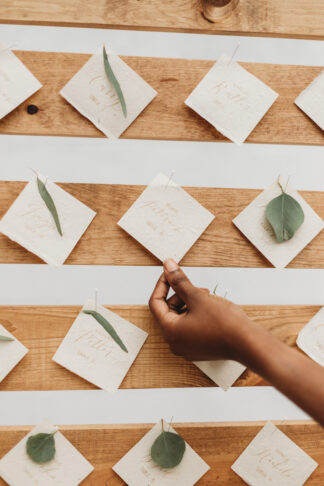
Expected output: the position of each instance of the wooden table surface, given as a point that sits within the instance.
(105, 243)
(167, 117)
(41, 329)
(277, 18)
(219, 444)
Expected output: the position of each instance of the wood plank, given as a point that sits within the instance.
(41, 330)
(219, 444)
(167, 117)
(278, 18)
(104, 243)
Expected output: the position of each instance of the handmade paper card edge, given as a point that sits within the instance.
(221, 383)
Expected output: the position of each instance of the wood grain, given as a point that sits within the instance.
(41, 330)
(104, 243)
(219, 444)
(278, 18)
(167, 117)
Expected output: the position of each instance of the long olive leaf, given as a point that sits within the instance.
(41, 447)
(114, 82)
(108, 327)
(47, 198)
(285, 215)
(6, 338)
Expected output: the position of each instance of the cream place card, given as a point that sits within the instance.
(137, 468)
(311, 338)
(91, 352)
(17, 83)
(165, 219)
(223, 372)
(253, 224)
(231, 99)
(11, 352)
(67, 468)
(311, 100)
(94, 96)
(272, 459)
(30, 223)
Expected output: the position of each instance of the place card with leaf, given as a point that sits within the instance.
(46, 458)
(231, 99)
(46, 220)
(311, 338)
(274, 459)
(17, 83)
(163, 458)
(12, 352)
(108, 92)
(165, 219)
(100, 346)
(311, 100)
(279, 223)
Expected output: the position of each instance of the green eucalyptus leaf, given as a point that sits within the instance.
(47, 198)
(41, 447)
(6, 338)
(112, 78)
(168, 449)
(108, 327)
(285, 215)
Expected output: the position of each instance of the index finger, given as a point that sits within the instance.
(157, 303)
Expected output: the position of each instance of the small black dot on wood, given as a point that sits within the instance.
(32, 109)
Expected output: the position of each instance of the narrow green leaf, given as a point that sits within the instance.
(168, 449)
(47, 198)
(108, 327)
(285, 215)
(41, 447)
(6, 338)
(112, 78)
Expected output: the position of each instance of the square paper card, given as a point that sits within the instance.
(165, 219)
(67, 468)
(17, 83)
(311, 100)
(223, 372)
(311, 338)
(231, 99)
(137, 468)
(94, 96)
(254, 225)
(11, 352)
(91, 352)
(272, 459)
(31, 224)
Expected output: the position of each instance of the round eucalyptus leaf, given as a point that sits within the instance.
(168, 449)
(285, 215)
(41, 447)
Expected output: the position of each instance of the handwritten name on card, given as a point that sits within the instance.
(89, 351)
(231, 99)
(67, 468)
(274, 459)
(92, 94)
(165, 219)
(17, 83)
(137, 467)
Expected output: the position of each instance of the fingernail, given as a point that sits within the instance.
(170, 265)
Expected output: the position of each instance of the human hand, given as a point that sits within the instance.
(196, 324)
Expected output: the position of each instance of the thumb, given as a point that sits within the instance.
(179, 281)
